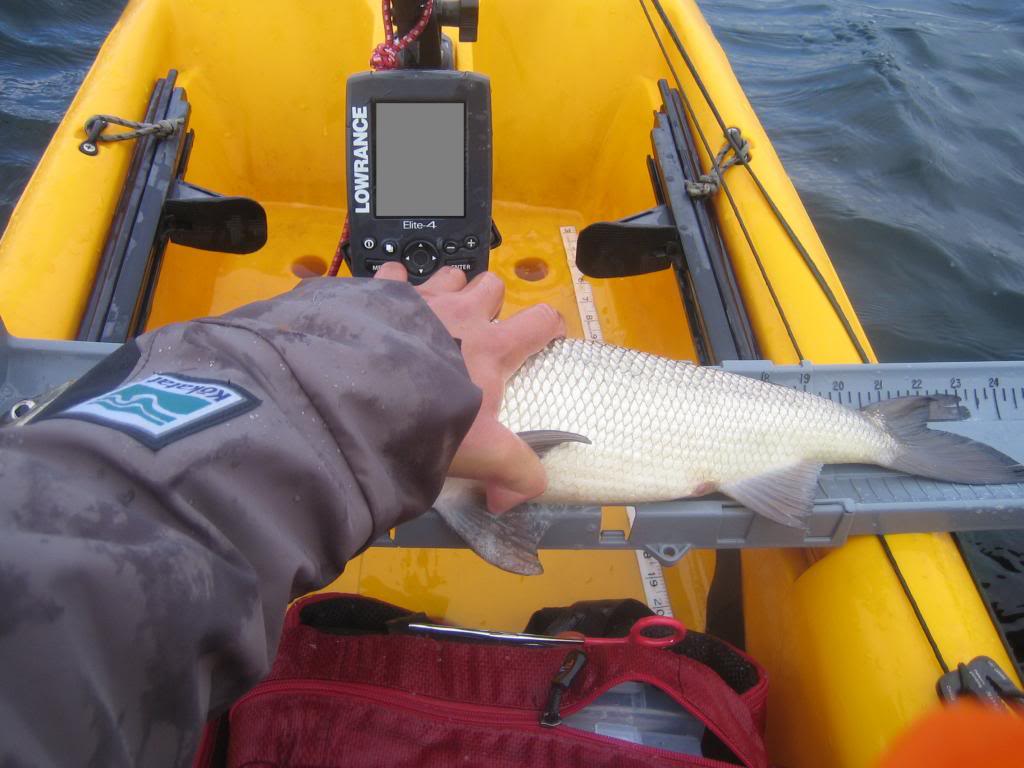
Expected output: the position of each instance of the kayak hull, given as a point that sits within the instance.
(573, 94)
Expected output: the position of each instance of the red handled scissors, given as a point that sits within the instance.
(638, 633)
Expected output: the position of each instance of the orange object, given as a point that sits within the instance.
(964, 735)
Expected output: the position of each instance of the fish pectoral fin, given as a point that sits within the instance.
(508, 541)
(785, 495)
(543, 440)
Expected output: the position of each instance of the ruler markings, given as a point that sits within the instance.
(993, 400)
(651, 574)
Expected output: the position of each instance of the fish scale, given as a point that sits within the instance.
(662, 429)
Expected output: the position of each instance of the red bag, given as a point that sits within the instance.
(347, 689)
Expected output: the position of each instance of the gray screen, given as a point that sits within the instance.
(420, 159)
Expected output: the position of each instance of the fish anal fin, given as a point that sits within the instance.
(784, 495)
(508, 541)
(543, 440)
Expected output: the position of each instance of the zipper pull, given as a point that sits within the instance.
(560, 683)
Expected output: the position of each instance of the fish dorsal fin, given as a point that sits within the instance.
(784, 495)
(543, 440)
(508, 541)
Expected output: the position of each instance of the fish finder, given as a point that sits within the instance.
(419, 171)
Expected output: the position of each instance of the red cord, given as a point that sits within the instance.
(385, 56)
(339, 253)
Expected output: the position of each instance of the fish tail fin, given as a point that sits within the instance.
(936, 454)
(508, 541)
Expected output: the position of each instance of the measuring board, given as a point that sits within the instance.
(651, 572)
(992, 393)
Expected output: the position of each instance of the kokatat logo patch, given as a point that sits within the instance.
(164, 407)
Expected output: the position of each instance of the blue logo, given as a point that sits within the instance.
(164, 407)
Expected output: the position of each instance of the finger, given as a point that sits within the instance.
(392, 270)
(501, 499)
(509, 468)
(521, 478)
(446, 280)
(487, 293)
(525, 334)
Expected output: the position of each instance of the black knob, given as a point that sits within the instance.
(469, 20)
(464, 14)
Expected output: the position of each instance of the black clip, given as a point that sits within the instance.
(93, 129)
(983, 680)
(573, 663)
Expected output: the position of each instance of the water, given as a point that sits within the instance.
(902, 125)
(46, 47)
(902, 128)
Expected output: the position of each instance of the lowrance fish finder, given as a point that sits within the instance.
(419, 171)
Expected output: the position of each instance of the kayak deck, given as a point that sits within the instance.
(301, 241)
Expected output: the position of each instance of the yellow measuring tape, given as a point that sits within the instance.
(655, 591)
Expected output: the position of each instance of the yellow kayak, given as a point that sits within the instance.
(574, 84)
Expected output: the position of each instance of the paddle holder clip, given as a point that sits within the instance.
(681, 233)
(157, 206)
(983, 680)
(93, 129)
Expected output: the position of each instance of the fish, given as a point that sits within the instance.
(618, 426)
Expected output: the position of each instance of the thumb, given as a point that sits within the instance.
(518, 479)
(509, 469)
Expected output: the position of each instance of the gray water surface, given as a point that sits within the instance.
(902, 128)
(902, 125)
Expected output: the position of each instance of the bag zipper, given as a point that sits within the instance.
(480, 714)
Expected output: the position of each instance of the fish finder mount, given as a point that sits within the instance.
(433, 49)
(418, 155)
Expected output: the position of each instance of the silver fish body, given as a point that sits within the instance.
(666, 429)
(615, 425)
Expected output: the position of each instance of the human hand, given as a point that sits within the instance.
(490, 453)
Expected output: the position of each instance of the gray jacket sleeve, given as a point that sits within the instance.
(144, 587)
